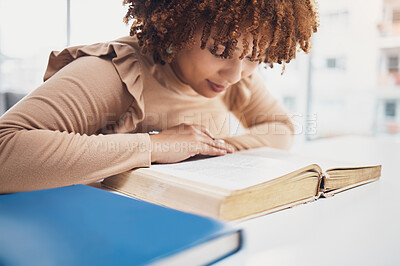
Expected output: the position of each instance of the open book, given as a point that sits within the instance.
(243, 184)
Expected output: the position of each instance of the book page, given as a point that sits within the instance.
(324, 163)
(231, 171)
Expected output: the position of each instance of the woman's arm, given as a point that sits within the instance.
(48, 139)
(265, 119)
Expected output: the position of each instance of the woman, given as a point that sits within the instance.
(186, 65)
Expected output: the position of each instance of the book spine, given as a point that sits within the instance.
(322, 181)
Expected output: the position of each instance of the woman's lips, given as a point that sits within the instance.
(216, 87)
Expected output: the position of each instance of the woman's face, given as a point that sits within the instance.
(208, 74)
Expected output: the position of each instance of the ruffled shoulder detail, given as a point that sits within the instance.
(124, 54)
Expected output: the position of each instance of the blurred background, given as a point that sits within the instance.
(348, 85)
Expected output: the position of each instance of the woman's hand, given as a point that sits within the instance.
(184, 141)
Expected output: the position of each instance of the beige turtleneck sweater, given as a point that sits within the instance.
(91, 117)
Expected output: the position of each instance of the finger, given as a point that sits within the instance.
(218, 144)
(204, 130)
(231, 149)
(228, 147)
(215, 144)
(210, 150)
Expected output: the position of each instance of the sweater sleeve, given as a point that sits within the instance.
(265, 119)
(52, 137)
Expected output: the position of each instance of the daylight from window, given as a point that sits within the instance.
(349, 84)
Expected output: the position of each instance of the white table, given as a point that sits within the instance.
(360, 226)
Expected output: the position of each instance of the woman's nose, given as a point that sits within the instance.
(232, 71)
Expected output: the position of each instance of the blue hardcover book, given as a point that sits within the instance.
(82, 225)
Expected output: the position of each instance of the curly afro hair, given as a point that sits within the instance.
(278, 27)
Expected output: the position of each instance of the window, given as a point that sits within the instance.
(390, 109)
(331, 63)
(393, 63)
(396, 15)
(335, 63)
(24, 52)
(25, 48)
(336, 17)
